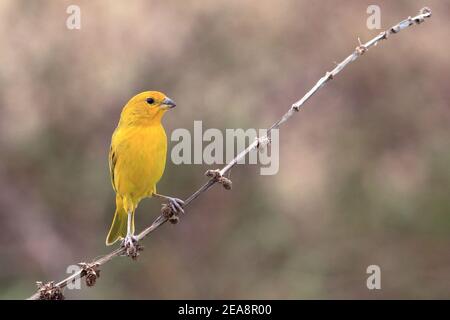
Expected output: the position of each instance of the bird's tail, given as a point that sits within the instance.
(118, 228)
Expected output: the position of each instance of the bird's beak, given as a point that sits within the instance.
(168, 103)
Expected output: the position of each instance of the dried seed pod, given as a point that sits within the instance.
(225, 182)
(217, 176)
(91, 272)
(166, 210)
(49, 291)
(134, 251)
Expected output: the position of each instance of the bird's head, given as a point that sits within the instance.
(146, 107)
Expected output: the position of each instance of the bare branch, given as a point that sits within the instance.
(53, 291)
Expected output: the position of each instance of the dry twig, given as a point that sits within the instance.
(91, 271)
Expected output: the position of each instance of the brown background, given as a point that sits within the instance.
(364, 168)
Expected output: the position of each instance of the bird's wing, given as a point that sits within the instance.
(112, 164)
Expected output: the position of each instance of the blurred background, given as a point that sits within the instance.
(364, 168)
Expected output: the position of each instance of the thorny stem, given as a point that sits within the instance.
(161, 219)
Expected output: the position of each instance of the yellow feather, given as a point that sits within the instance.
(137, 157)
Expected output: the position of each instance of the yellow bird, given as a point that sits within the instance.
(137, 159)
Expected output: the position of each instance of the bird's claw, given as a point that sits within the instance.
(129, 241)
(176, 205)
(172, 209)
(132, 248)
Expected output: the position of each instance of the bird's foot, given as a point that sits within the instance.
(129, 241)
(132, 247)
(172, 209)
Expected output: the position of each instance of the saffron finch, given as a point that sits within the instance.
(137, 159)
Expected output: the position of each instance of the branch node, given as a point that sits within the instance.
(395, 29)
(91, 272)
(218, 177)
(262, 142)
(384, 35)
(134, 251)
(295, 107)
(425, 11)
(49, 291)
(169, 214)
(361, 49)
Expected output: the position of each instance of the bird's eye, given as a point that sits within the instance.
(150, 100)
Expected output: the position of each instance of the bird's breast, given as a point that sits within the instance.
(141, 159)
